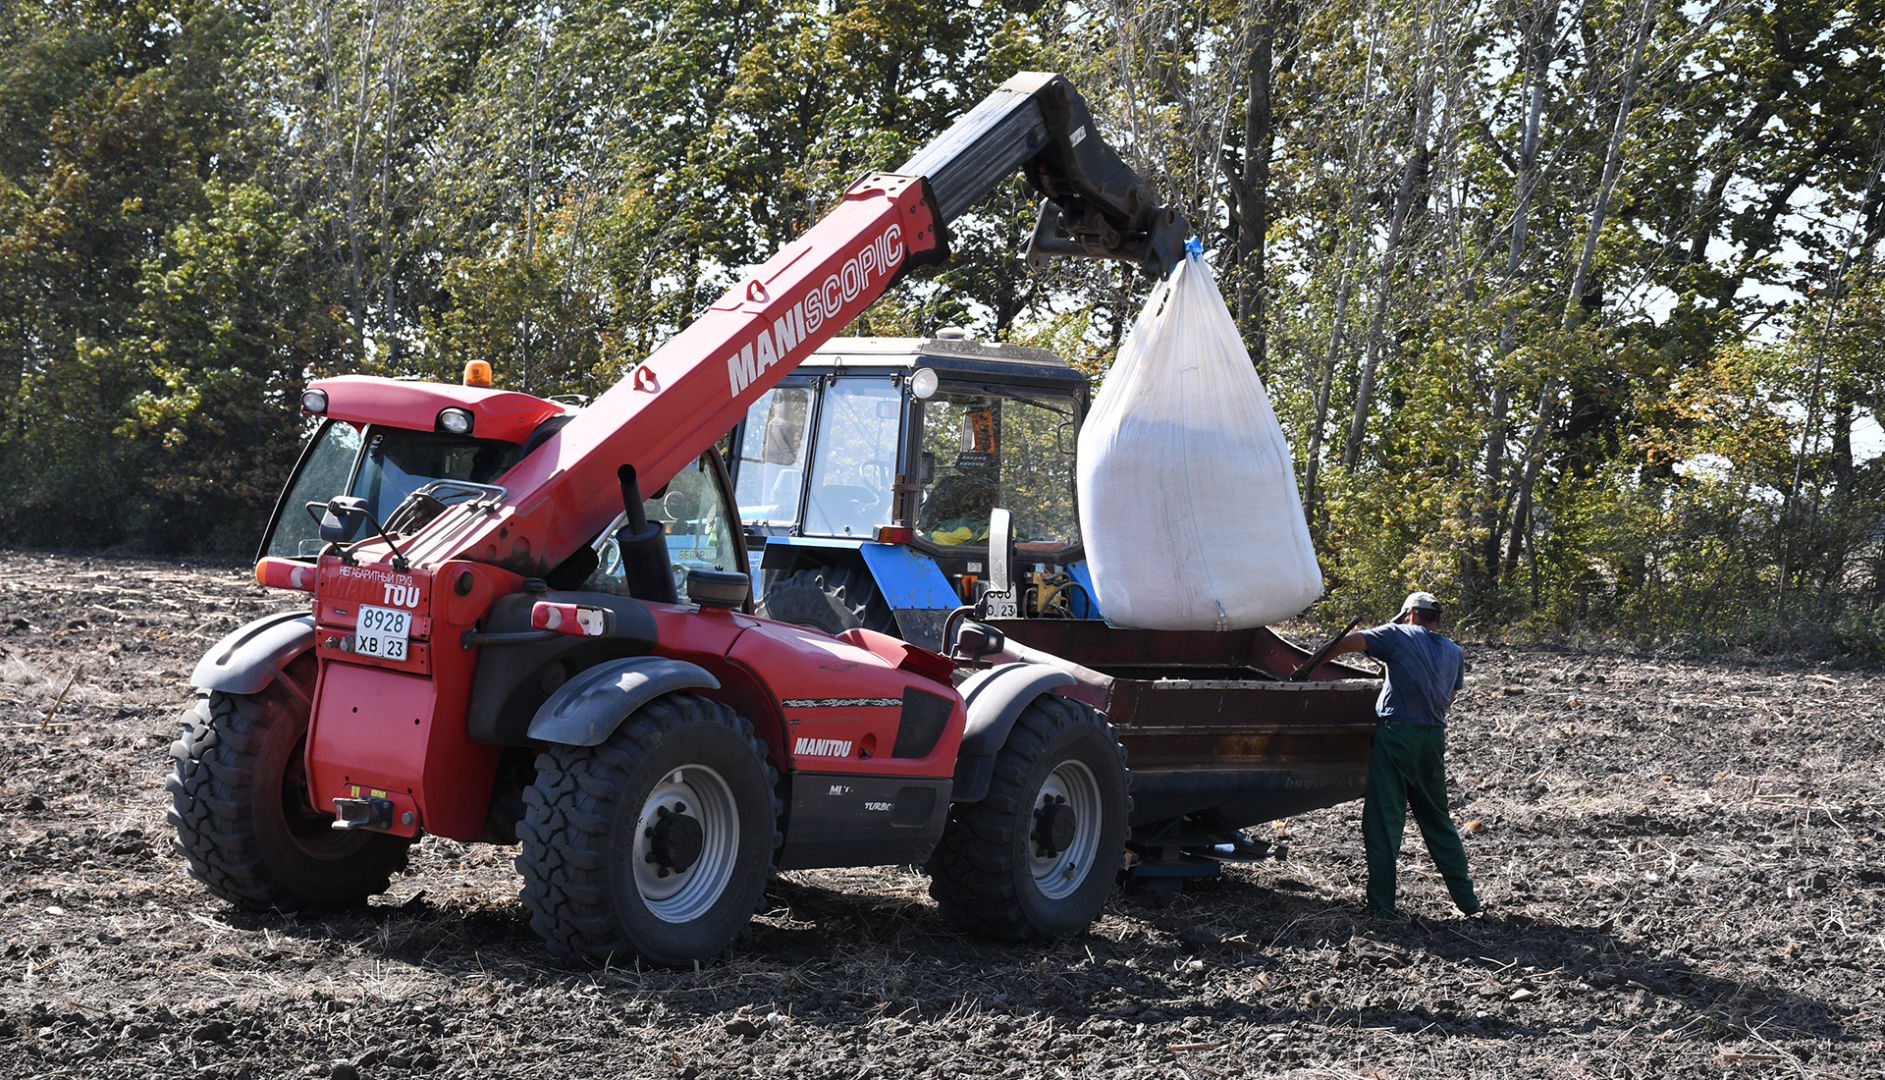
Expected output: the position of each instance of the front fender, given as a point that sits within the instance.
(250, 657)
(995, 699)
(586, 710)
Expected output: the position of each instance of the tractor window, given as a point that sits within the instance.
(395, 464)
(771, 462)
(981, 451)
(858, 427)
(699, 535)
(399, 462)
(324, 474)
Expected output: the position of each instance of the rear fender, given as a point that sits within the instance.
(588, 708)
(252, 656)
(786, 555)
(995, 699)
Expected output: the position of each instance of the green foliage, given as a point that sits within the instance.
(205, 203)
(126, 155)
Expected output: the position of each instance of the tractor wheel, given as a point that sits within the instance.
(657, 843)
(1037, 857)
(239, 802)
(830, 598)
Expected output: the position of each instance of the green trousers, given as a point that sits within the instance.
(1408, 768)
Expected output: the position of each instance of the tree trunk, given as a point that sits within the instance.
(1411, 176)
(530, 200)
(1360, 167)
(1254, 192)
(1541, 36)
(1574, 309)
(1318, 423)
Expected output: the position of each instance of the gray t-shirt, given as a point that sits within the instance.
(1424, 671)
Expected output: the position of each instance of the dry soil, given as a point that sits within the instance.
(1682, 860)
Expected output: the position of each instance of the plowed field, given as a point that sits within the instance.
(1682, 860)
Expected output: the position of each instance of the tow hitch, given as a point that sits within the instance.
(365, 812)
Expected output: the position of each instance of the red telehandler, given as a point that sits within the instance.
(507, 642)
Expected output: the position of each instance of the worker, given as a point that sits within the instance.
(1425, 669)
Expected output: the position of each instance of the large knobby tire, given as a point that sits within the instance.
(239, 802)
(1038, 856)
(657, 843)
(830, 598)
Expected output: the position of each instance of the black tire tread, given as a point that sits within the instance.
(972, 876)
(564, 839)
(830, 598)
(213, 795)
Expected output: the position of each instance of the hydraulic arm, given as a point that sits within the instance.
(676, 403)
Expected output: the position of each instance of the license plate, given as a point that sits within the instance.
(382, 632)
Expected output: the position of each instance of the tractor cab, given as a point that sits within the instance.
(869, 475)
(408, 449)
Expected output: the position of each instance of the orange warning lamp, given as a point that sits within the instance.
(478, 373)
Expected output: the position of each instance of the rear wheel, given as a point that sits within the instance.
(830, 598)
(239, 803)
(1037, 857)
(657, 843)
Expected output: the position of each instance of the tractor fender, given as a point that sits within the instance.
(588, 708)
(995, 699)
(249, 657)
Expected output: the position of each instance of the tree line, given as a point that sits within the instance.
(1570, 308)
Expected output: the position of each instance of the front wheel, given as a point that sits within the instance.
(239, 804)
(657, 843)
(1037, 857)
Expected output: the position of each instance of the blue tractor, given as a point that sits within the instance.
(868, 477)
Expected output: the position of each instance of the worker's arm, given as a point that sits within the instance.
(1352, 643)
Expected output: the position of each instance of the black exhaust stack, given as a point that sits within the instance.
(644, 546)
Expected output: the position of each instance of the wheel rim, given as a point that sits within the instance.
(687, 840)
(309, 830)
(1064, 834)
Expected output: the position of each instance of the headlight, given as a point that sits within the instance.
(314, 401)
(923, 383)
(455, 421)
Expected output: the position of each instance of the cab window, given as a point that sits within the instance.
(981, 451)
(325, 473)
(858, 427)
(380, 464)
(773, 445)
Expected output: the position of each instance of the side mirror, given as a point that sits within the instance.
(345, 514)
(975, 640)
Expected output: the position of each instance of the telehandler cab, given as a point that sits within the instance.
(505, 640)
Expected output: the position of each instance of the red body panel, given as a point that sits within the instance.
(843, 705)
(820, 692)
(383, 725)
(384, 728)
(389, 734)
(496, 414)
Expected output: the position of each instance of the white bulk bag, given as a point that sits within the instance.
(1188, 501)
